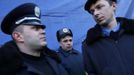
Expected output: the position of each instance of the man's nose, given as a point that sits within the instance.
(42, 31)
(96, 13)
(69, 42)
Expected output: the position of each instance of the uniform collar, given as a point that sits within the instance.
(106, 31)
(95, 33)
(67, 53)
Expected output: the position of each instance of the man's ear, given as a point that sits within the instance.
(114, 5)
(17, 36)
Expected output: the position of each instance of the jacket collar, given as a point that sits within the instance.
(95, 33)
(52, 63)
(66, 54)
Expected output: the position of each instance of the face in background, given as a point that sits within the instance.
(33, 37)
(66, 43)
(103, 12)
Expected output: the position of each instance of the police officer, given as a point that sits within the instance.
(108, 47)
(71, 58)
(27, 53)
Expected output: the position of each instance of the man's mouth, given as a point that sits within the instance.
(43, 38)
(100, 19)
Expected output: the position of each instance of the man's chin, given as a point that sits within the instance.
(102, 23)
(44, 44)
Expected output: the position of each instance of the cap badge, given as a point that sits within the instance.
(37, 11)
(65, 30)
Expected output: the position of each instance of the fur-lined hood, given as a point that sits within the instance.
(95, 33)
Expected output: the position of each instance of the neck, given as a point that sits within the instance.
(112, 23)
(66, 50)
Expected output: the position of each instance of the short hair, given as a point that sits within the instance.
(89, 3)
(19, 29)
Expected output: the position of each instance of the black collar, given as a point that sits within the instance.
(95, 33)
(67, 53)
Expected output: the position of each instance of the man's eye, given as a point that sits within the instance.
(99, 6)
(65, 41)
(36, 27)
(91, 11)
(68, 40)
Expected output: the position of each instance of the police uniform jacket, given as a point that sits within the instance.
(113, 55)
(72, 61)
(11, 62)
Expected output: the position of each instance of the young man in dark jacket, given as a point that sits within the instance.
(109, 46)
(71, 58)
(27, 54)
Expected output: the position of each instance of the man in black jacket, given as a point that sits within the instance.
(27, 54)
(108, 48)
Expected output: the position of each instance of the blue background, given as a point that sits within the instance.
(57, 14)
